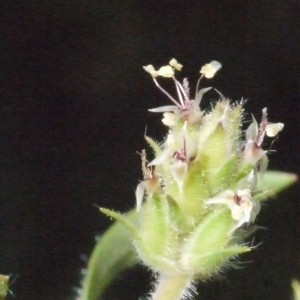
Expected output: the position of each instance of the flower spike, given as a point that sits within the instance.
(201, 191)
(243, 208)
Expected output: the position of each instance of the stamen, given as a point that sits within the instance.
(181, 154)
(262, 128)
(148, 172)
(179, 94)
(197, 86)
(166, 93)
(183, 91)
(221, 95)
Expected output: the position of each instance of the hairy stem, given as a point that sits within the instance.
(172, 287)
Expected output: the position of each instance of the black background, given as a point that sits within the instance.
(74, 101)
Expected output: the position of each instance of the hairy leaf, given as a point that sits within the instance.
(112, 254)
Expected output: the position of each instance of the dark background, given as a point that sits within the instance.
(74, 101)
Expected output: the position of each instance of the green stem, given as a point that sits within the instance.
(171, 287)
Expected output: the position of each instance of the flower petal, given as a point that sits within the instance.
(139, 195)
(179, 170)
(252, 131)
(166, 108)
(199, 96)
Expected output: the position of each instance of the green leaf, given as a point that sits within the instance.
(134, 234)
(273, 182)
(112, 254)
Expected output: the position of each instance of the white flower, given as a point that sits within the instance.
(209, 70)
(243, 208)
(179, 150)
(253, 152)
(185, 108)
(254, 137)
